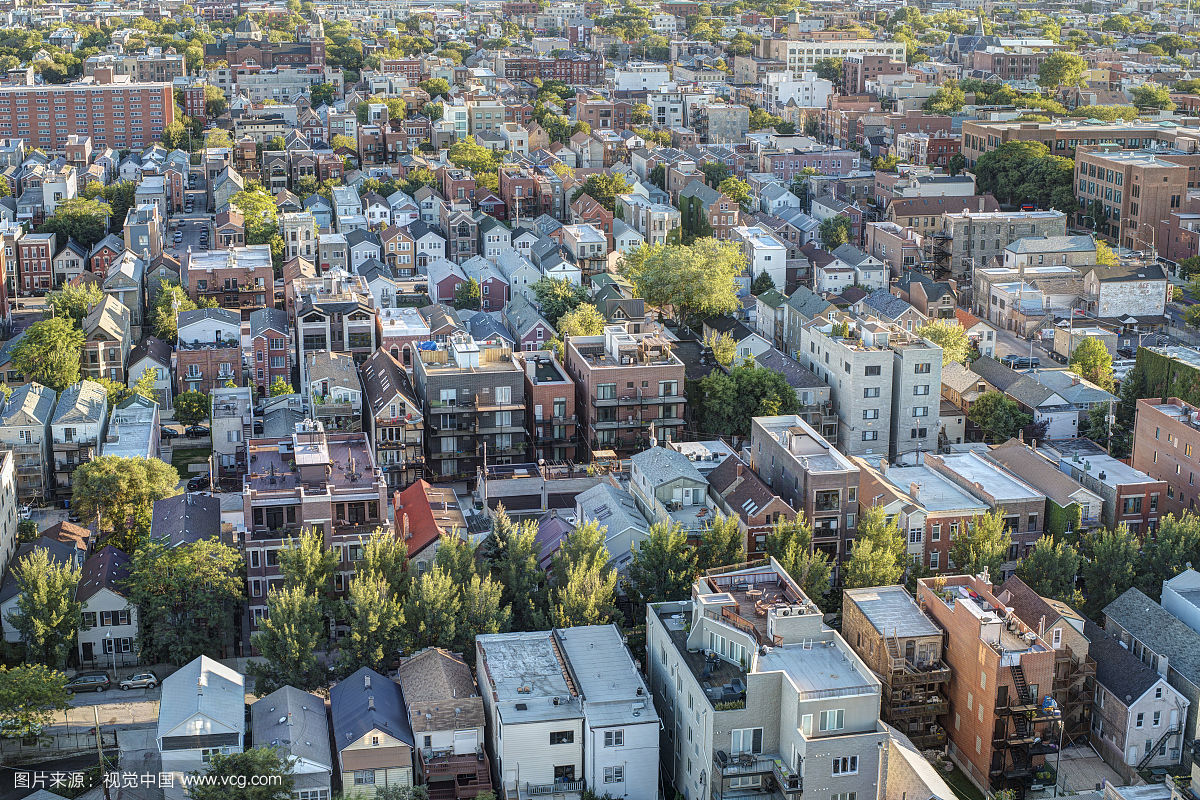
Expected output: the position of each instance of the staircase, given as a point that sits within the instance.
(1149, 756)
(1021, 725)
(1022, 686)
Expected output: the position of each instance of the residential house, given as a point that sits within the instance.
(334, 391)
(395, 424)
(294, 722)
(77, 428)
(209, 353)
(153, 354)
(371, 732)
(107, 340)
(202, 713)
(109, 622)
(25, 432)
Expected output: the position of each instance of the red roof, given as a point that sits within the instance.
(966, 318)
(424, 513)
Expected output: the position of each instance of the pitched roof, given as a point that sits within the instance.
(153, 348)
(795, 373)
(107, 569)
(383, 378)
(1117, 670)
(1019, 459)
(367, 701)
(268, 319)
(1159, 630)
(59, 552)
(295, 722)
(994, 372)
(223, 700)
(1129, 271)
(186, 518)
(659, 465)
(29, 404)
(886, 304)
(741, 488)
(425, 513)
(82, 402)
(440, 691)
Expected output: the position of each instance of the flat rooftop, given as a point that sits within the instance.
(994, 480)
(891, 610)
(527, 676)
(1107, 470)
(271, 463)
(822, 666)
(935, 492)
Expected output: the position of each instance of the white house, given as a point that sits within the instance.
(202, 713)
(108, 630)
(764, 253)
(206, 326)
(295, 722)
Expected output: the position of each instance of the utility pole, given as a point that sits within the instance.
(100, 751)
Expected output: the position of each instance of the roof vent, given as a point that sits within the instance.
(371, 703)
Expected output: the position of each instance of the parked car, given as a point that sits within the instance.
(1020, 362)
(198, 483)
(196, 431)
(89, 682)
(169, 434)
(142, 680)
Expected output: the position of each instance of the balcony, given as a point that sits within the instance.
(558, 787)
(778, 778)
(455, 776)
(900, 708)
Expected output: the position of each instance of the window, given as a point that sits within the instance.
(1158, 693)
(207, 753)
(922, 368)
(1156, 720)
(614, 738)
(746, 740)
(562, 737)
(503, 395)
(935, 532)
(1132, 505)
(871, 413)
(364, 777)
(934, 559)
(871, 391)
(614, 774)
(1139, 720)
(873, 371)
(833, 720)
(870, 436)
(846, 765)
(921, 389)
(1056, 638)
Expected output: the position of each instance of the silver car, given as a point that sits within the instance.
(142, 680)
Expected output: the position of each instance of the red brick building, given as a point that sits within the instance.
(118, 115)
(35, 265)
(549, 407)
(270, 348)
(857, 70)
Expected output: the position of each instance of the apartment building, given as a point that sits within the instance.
(1062, 137)
(25, 432)
(930, 508)
(550, 415)
(1000, 672)
(903, 647)
(121, 115)
(568, 709)
(802, 55)
(629, 389)
(810, 475)
(1166, 446)
(884, 381)
(334, 391)
(209, 352)
(327, 482)
(968, 239)
(270, 348)
(394, 421)
(1074, 667)
(238, 278)
(232, 425)
(1130, 496)
(1136, 190)
(35, 253)
(759, 698)
(473, 397)
(335, 312)
(77, 428)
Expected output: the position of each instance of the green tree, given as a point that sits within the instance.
(340, 141)
(435, 87)
(1050, 569)
(790, 543)
(322, 94)
(214, 101)
(1150, 95)
(374, 614)
(737, 190)
(515, 567)
(723, 347)
(958, 162)
(830, 69)
(948, 99)
(662, 567)
(834, 231)
(184, 596)
(288, 638)
(1093, 362)
(950, 336)
(308, 565)
(1105, 255)
(1026, 172)
(48, 353)
(168, 303)
(280, 386)
(715, 172)
(85, 221)
(584, 320)
(47, 613)
(29, 696)
(879, 553)
(215, 138)
(984, 543)
(557, 296)
(1107, 569)
(1175, 543)
(72, 301)
(260, 214)
(260, 773)
(584, 587)
(1061, 69)
(120, 492)
(603, 188)
(27, 531)
(116, 391)
(456, 557)
(468, 296)
(697, 280)
(998, 416)
(483, 611)
(722, 544)
(144, 385)
(386, 556)
(192, 407)
(431, 610)
(729, 400)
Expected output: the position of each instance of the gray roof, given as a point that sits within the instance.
(1159, 630)
(294, 721)
(367, 701)
(886, 304)
(796, 375)
(700, 190)
(1052, 244)
(382, 379)
(29, 404)
(892, 611)
(808, 303)
(107, 569)
(263, 319)
(994, 372)
(1117, 670)
(661, 465)
(223, 314)
(153, 348)
(1129, 272)
(186, 518)
(60, 552)
(85, 401)
(611, 506)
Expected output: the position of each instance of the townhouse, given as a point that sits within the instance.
(209, 353)
(108, 626)
(25, 432)
(77, 429)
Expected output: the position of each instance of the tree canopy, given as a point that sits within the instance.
(49, 351)
(1092, 361)
(729, 400)
(984, 543)
(697, 280)
(85, 221)
(949, 335)
(998, 416)
(1019, 172)
(120, 492)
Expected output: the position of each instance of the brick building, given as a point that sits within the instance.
(549, 408)
(238, 278)
(118, 115)
(1166, 446)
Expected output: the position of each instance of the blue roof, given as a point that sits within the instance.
(367, 701)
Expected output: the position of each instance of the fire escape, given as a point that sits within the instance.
(1025, 731)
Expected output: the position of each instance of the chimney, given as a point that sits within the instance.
(741, 468)
(883, 466)
(371, 703)
(403, 530)
(367, 680)
(914, 489)
(289, 719)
